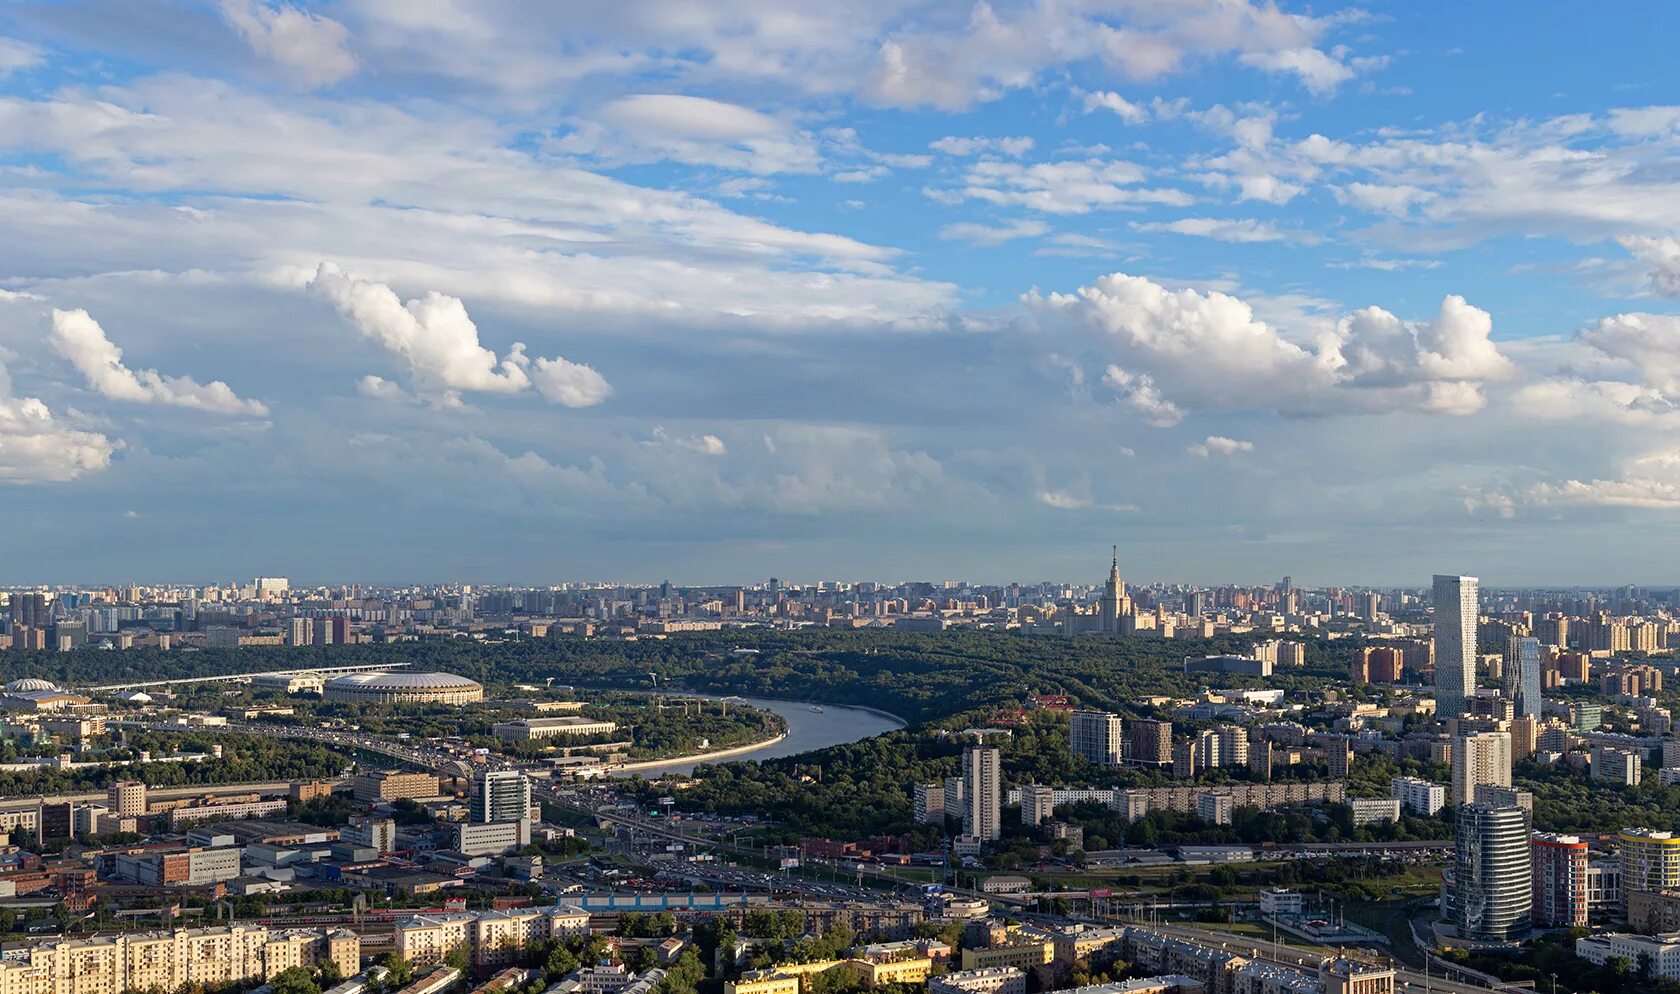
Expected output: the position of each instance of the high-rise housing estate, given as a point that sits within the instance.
(1650, 860)
(982, 793)
(1096, 736)
(1521, 675)
(1455, 643)
(1477, 759)
(501, 795)
(1151, 743)
(1560, 880)
(1493, 873)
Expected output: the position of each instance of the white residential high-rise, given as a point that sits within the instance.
(1521, 675)
(1483, 758)
(1096, 736)
(982, 793)
(1455, 643)
(1420, 797)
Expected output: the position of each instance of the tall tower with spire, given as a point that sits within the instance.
(1112, 596)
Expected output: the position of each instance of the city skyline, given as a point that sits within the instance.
(900, 291)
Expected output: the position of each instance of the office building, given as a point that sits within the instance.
(1480, 758)
(982, 793)
(1650, 860)
(126, 799)
(1151, 743)
(1493, 872)
(192, 868)
(1096, 736)
(1660, 954)
(533, 729)
(491, 838)
(1420, 797)
(1350, 976)
(393, 785)
(1520, 678)
(501, 795)
(1560, 880)
(1455, 643)
(378, 834)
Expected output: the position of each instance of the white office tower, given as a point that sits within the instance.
(1493, 874)
(1096, 736)
(1455, 644)
(1480, 759)
(982, 793)
(1521, 676)
(501, 795)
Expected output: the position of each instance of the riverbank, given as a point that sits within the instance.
(699, 757)
(807, 728)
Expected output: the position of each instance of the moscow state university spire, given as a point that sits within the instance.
(1111, 597)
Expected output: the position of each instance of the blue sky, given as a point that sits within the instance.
(384, 291)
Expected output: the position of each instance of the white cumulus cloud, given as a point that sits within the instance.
(313, 48)
(76, 336)
(1121, 107)
(706, 445)
(438, 341)
(570, 384)
(37, 448)
(1209, 351)
(1219, 445)
(1661, 256)
(1140, 393)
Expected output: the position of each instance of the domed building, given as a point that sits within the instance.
(30, 683)
(400, 687)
